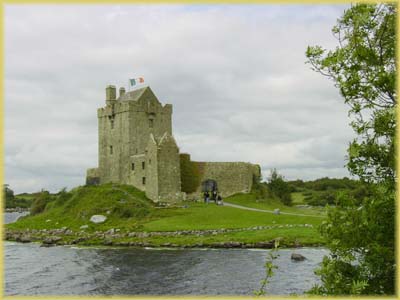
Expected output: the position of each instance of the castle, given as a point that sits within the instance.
(136, 147)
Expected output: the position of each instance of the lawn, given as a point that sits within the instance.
(129, 210)
(250, 200)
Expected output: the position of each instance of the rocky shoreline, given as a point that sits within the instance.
(112, 237)
(16, 209)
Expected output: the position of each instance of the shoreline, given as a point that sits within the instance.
(116, 247)
(16, 209)
(113, 238)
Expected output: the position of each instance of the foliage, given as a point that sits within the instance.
(324, 191)
(269, 269)
(363, 67)
(260, 189)
(8, 193)
(40, 202)
(190, 175)
(361, 242)
(320, 198)
(325, 183)
(107, 199)
(279, 187)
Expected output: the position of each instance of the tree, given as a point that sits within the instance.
(9, 193)
(279, 187)
(363, 68)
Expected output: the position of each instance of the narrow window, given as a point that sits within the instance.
(112, 123)
(151, 123)
(144, 180)
(111, 149)
(149, 161)
(143, 165)
(133, 166)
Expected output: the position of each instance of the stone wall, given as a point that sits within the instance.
(152, 176)
(114, 138)
(124, 127)
(137, 171)
(231, 177)
(169, 172)
(92, 176)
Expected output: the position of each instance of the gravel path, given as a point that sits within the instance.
(269, 211)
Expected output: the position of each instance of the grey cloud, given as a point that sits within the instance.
(236, 76)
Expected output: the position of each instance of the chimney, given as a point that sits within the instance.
(110, 94)
(121, 91)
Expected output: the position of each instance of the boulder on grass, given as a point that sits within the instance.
(98, 219)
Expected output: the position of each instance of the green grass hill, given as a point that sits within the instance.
(128, 210)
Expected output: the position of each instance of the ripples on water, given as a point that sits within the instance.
(32, 270)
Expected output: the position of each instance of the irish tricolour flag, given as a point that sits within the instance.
(136, 81)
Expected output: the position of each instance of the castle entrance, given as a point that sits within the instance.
(209, 185)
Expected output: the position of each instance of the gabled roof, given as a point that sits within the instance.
(135, 94)
(167, 137)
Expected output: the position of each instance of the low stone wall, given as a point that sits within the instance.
(65, 236)
(92, 176)
(231, 177)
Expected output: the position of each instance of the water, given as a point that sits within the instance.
(13, 216)
(32, 270)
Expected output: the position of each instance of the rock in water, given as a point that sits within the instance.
(98, 219)
(297, 257)
(51, 240)
(24, 239)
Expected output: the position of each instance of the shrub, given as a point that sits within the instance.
(40, 202)
(279, 187)
(190, 174)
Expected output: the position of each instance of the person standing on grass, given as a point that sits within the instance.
(214, 196)
(219, 200)
(206, 197)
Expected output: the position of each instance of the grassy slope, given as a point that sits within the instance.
(298, 198)
(86, 201)
(250, 200)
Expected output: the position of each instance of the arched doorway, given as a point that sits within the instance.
(209, 185)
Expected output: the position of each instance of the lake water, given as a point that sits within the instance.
(32, 270)
(13, 216)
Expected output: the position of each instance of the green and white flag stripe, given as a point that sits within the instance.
(135, 81)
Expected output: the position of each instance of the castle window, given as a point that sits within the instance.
(149, 161)
(151, 123)
(143, 165)
(144, 180)
(112, 123)
(133, 166)
(111, 149)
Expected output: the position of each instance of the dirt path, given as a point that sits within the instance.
(269, 211)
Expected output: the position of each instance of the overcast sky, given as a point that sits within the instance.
(235, 75)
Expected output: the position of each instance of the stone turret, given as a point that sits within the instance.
(111, 96)
(121, 91)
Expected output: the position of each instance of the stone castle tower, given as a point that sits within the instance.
(136, 147)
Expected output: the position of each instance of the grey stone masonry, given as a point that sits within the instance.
(136, 147)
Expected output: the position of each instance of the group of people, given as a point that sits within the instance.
(215, 196)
